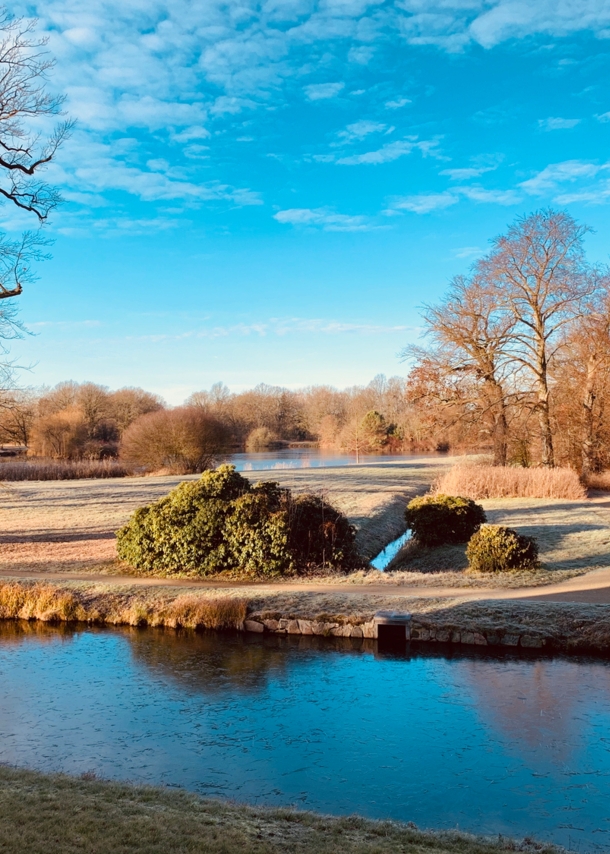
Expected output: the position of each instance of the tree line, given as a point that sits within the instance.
(514, 360)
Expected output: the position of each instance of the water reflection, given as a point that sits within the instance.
(491, 744)
(301, 458)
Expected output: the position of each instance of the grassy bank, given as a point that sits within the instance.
(43, 813)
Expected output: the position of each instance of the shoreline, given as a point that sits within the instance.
(495, 624)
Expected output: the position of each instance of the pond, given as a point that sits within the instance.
(301, 458)
(490, 744)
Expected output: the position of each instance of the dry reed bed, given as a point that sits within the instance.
(473, 481)
(67, 815)
(48, 603)
(62, 469)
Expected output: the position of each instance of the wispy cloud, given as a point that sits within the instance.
(555, 174)
(359, 130)
(323, 91)
(325, 219)
(556, 123)
(388, 152)
(281, 327)
(397, 103)
(467, 172)
(422, 203)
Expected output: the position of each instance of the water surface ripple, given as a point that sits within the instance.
(492, 744)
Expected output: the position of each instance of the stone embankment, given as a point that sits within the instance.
(420, 629)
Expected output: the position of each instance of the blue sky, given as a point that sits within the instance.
(267, 191)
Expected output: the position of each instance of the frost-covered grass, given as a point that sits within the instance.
(40, 814)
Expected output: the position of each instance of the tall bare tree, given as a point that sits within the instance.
(541, 279)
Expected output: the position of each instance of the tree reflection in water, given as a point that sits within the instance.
(211, 662)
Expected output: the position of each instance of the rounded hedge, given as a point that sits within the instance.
(222, 522)
(497, 549)
(439, 519)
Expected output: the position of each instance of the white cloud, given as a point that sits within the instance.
(358, 130)
(423, 203)
(324, 218)
(554, 174)
(604, 117)
(494, 197)
(323, 91)
(597, 196)
(390, 151)
(556, 123)
(173, 72)
(467, 172)
(427, 202)
(398, 103)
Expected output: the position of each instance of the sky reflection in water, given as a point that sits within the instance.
(490, 744)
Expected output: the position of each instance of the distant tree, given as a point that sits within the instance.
(128, 404)
(60, 435)
(17, 416)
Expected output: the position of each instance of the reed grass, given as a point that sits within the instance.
(49, 603)
(56, 814)
(62, 469)
(471, 481)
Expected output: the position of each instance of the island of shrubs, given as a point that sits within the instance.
(437, 520)
(222, 523)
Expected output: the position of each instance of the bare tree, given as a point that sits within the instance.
(584, 368)
(541, 280)
(470, 343)
(25, 106)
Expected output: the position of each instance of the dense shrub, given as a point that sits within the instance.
(438, 519)
(497, 549)
(221, 522)
(180, 440)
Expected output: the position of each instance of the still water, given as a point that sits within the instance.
(491, 744)
(301, 458)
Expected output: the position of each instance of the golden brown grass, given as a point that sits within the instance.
(51, 603)
(41, 813)
(478, 482)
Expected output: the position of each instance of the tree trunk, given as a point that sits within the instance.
(499, 423)
(588, 440)
(546, 435)
(544, 418)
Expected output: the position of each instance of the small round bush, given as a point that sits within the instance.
(222, 522)
(439, 519)
(497, 549)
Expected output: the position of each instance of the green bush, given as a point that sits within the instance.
(221, 522)
(497, 549)
(439, 519)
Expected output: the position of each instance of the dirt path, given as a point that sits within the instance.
(592, 588)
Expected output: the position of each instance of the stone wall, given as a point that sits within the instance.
(414, 632)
